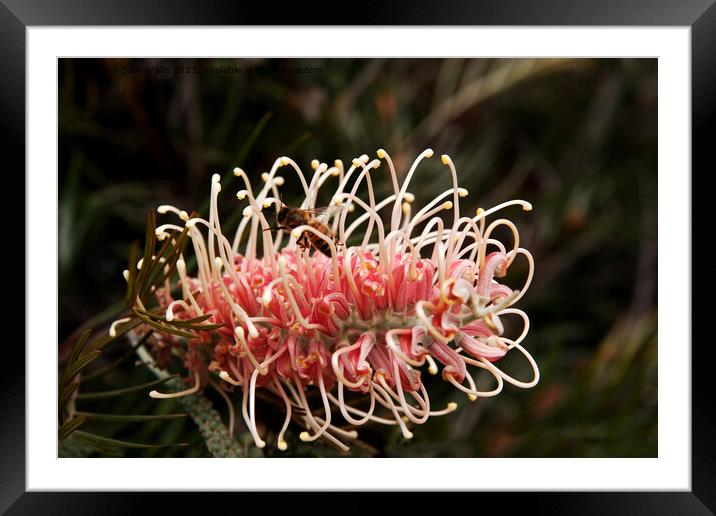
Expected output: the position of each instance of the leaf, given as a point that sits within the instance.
(177, 250)
(151, 315)
(158, 267)
(163, 327)
(193, 324)
(73, 448)
(123, 391)
(106, 441)
(194, 320)
(69, 427)
(112, 365)
(150, 240)
(198, 327)
(155, 265)
(78, 346)
(130, 417)
(66, 393)
(75, 363)
(132, 276)
(122, 329)
(72, 369)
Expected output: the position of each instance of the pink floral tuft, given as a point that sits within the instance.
(411, 293)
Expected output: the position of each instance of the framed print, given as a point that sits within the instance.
(327, 258)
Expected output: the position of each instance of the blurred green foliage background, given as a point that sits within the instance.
(576, 137)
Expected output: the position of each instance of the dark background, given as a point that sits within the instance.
(577, 138)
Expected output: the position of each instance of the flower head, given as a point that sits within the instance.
(360, 320)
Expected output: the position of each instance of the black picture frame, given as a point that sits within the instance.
(17, 15)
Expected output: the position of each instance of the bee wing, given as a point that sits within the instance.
(324, 213)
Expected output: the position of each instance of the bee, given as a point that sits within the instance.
(288, 218)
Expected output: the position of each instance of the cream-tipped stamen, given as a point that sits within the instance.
(252, 410)
(224, 375)
(180, 394)
(113, 326)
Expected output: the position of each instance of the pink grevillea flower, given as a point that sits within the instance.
(360, 324)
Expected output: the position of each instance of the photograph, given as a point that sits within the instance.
(357, 257)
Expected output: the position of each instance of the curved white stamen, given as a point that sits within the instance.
(331, 172)
(167, 208)
(456, 213)
(371, 200)
(224, 375)
(180, 394)
(213, 214)
(345, 408)
(482, 214)
(368, 416)
(421, 214)
(427, 153)
(401, 395)
(347, 268)
(310, 201)
(320, 429)
(186, 291)
(260, 443)
(432, 366)
(339, 165)
(113, 326)
(472, 392)
(508, 378)
(422, 240)
(161, 233)
(352, 197)
(451, 407)
(393, 176)
(338, 369)
(475, 234)
(419, 218)
(252, 410)
(203, 267)
(344, 181)
(348, 434)
(488, 232)
(305, 436)
(281, 443)
(255, 216)
(388, 403)
(381, 231)
(530, 273)
(525, 320)
(169, 314)
(230, 405)
(288, 161)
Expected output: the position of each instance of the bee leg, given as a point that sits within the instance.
(303, 242)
